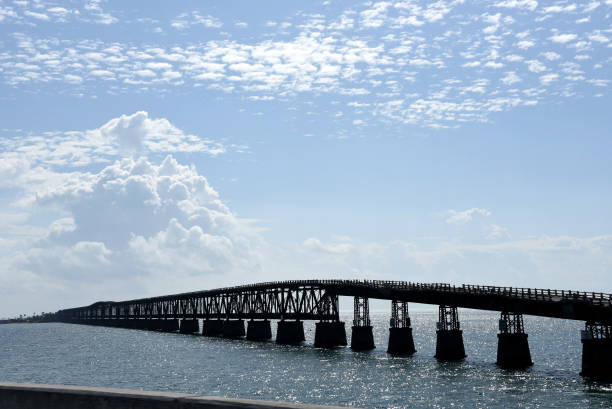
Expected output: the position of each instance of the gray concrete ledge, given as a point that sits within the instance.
(39, 396)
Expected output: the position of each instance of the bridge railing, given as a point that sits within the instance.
(514, 292)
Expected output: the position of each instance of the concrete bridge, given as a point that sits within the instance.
(224, 310)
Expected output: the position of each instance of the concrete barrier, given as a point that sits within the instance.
(35, 396)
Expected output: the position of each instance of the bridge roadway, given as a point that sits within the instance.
(223, 311)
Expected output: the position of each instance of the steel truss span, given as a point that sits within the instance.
(318, 300)
(224, 310)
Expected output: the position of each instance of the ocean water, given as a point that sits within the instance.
(123, 358)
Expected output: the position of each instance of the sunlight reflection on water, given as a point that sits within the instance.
(113, 357)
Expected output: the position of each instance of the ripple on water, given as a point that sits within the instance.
(114, 357)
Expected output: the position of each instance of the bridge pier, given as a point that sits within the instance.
(400, 332)
(362, 338)
(212, 328)
(290, 332)
(597, 351)
(512, 345)
(189, 326)
(449, 343)
(330, 334)
(233, 329)
(258, 330)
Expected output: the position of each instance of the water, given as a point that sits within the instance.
(122, 358)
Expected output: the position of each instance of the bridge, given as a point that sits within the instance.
(224, 310)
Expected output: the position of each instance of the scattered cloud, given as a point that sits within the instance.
(465, 216)
(326, 55)
(495, 259)
(188, 20)
(562, 38)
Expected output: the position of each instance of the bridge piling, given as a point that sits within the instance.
(233, 329)
(212, 328)
(512, 345)
(330, 334)
(449, 343)
(362, 338)
(189, 326)
(400, 332)
(290, 332)
(597, 351)
(329, 331)
(258, 330)
(317, 300)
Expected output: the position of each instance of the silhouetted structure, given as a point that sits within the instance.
(224, 310)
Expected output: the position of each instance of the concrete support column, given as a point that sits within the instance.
(329, 334)
(400, 332)
(233, 329)
(189, 326)
(258, 330)
(290, 332)
(212, 328)
(362, 338)
(597, 351)
(512, 345)
(449, 343)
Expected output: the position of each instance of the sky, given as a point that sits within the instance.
(154, 147)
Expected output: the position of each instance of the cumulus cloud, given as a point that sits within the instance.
(135, 134)
(133, 222)
(90, 210)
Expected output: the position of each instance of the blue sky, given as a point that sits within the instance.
(156, 147)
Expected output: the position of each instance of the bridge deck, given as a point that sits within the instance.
(576, 305)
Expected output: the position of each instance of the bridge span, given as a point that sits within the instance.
(224, 310)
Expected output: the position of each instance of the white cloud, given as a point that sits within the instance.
(128, 134)
(563, 38)
(132, 222)
(521, 4)
(316, 245)
(559, 9)
(375, 17)
(531, 262)
(493, 64)
(535, 66)
(37, 16)
(511, 78)
(525, 44)
(465, 216)
(327, 55)
(188, 20)
(599, 37)
(548, 78)
(551, 55)
(591, 6)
